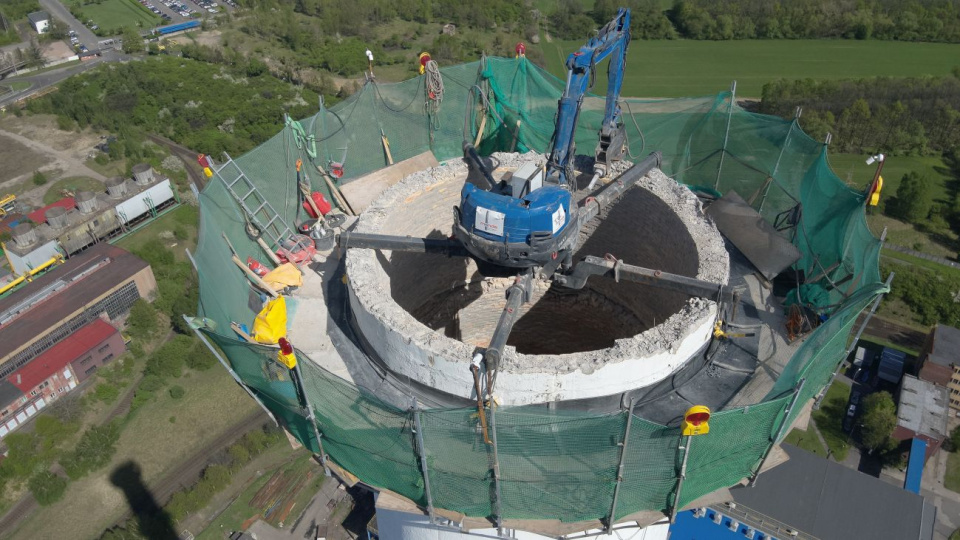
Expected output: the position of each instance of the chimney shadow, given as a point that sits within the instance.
(154, 523)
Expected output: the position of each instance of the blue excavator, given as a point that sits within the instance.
(527, 224)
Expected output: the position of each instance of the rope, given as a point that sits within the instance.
(643, 142)
(434, 90)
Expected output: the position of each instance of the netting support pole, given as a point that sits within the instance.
(423, 461)
(498, 506)
(786, 140)
(680, 478)
(726, 135)
(229, 369)
(856, 338)
(623, 456)
(298, 375)
(776, 437)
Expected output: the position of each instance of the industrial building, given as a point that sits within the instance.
(74, 223)
(102, 281)
(940, 361)
(922, 413)
(812, 497)
(56, 371)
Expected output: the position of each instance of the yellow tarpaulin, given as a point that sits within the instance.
(283, 276)
(271, 323)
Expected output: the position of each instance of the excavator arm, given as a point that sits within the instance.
(611, 42)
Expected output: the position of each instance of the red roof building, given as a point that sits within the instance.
(56, 371)
(40, 216)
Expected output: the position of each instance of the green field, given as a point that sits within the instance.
(829, 418)
(115, 14)
(73, 185)
(698, 68)
(951, 479)
(806, 439)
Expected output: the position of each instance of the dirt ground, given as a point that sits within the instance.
(17, 159)
(34, 142)
(210, 38)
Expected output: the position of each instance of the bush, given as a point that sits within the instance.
(142, 320)
(150, 383)
(168, 360)
(180, 233)
(106, 393)
(177, 392)
(140, 399)
(201, 359)
(47, 488)
(39, 178)
(94, 450)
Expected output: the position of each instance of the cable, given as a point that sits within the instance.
(376, 87)
(434, 90)
(643, 141)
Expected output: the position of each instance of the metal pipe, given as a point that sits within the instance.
(230, 370)
(619, 185)
(498, 507)
(595, 266)
(776, 167)
(389, 242)
(783, 425)
(298, 376)
(516, 296)
(683, 475)
(856, 338)
(623, 456)
(423, 461)
(726, 135)
(475, 369)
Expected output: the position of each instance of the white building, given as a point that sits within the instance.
(40, 21)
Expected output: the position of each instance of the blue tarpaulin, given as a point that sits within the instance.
(918, 452)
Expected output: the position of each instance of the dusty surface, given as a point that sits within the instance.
(37, 144)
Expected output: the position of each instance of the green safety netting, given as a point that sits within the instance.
(552, 465)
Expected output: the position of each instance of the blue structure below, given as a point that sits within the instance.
(918, 452)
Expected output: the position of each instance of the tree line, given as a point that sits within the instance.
(208, 108)
(907, 116)
(923, 20)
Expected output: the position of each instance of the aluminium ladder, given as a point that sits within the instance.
(259, 211)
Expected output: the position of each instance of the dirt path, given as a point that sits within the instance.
(62, 159)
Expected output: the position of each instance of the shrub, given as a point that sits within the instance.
(142, 320)
(47, 488)
(177, 392)
(106, 393)
(39, 178)
(93, 451)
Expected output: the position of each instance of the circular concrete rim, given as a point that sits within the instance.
(368, 290)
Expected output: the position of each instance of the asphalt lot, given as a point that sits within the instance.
(84, 34)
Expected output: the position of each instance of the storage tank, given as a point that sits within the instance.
(86, 202)
(24, 235)
(142, 174)
(56, 217)
(116, 187)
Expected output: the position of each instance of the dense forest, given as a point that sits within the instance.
(205, 107)
(923, 20)
(908, 116)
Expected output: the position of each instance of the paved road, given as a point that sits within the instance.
(56, 9)
(50, 78)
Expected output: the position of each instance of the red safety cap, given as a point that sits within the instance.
(285, 346)
(698, 418)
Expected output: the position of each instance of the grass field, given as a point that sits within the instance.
(698, 68)
(111, 14)
(951, 478)
(72, 184)
(212, 403)
(166, 222)
(829, 418)
(806, 439)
